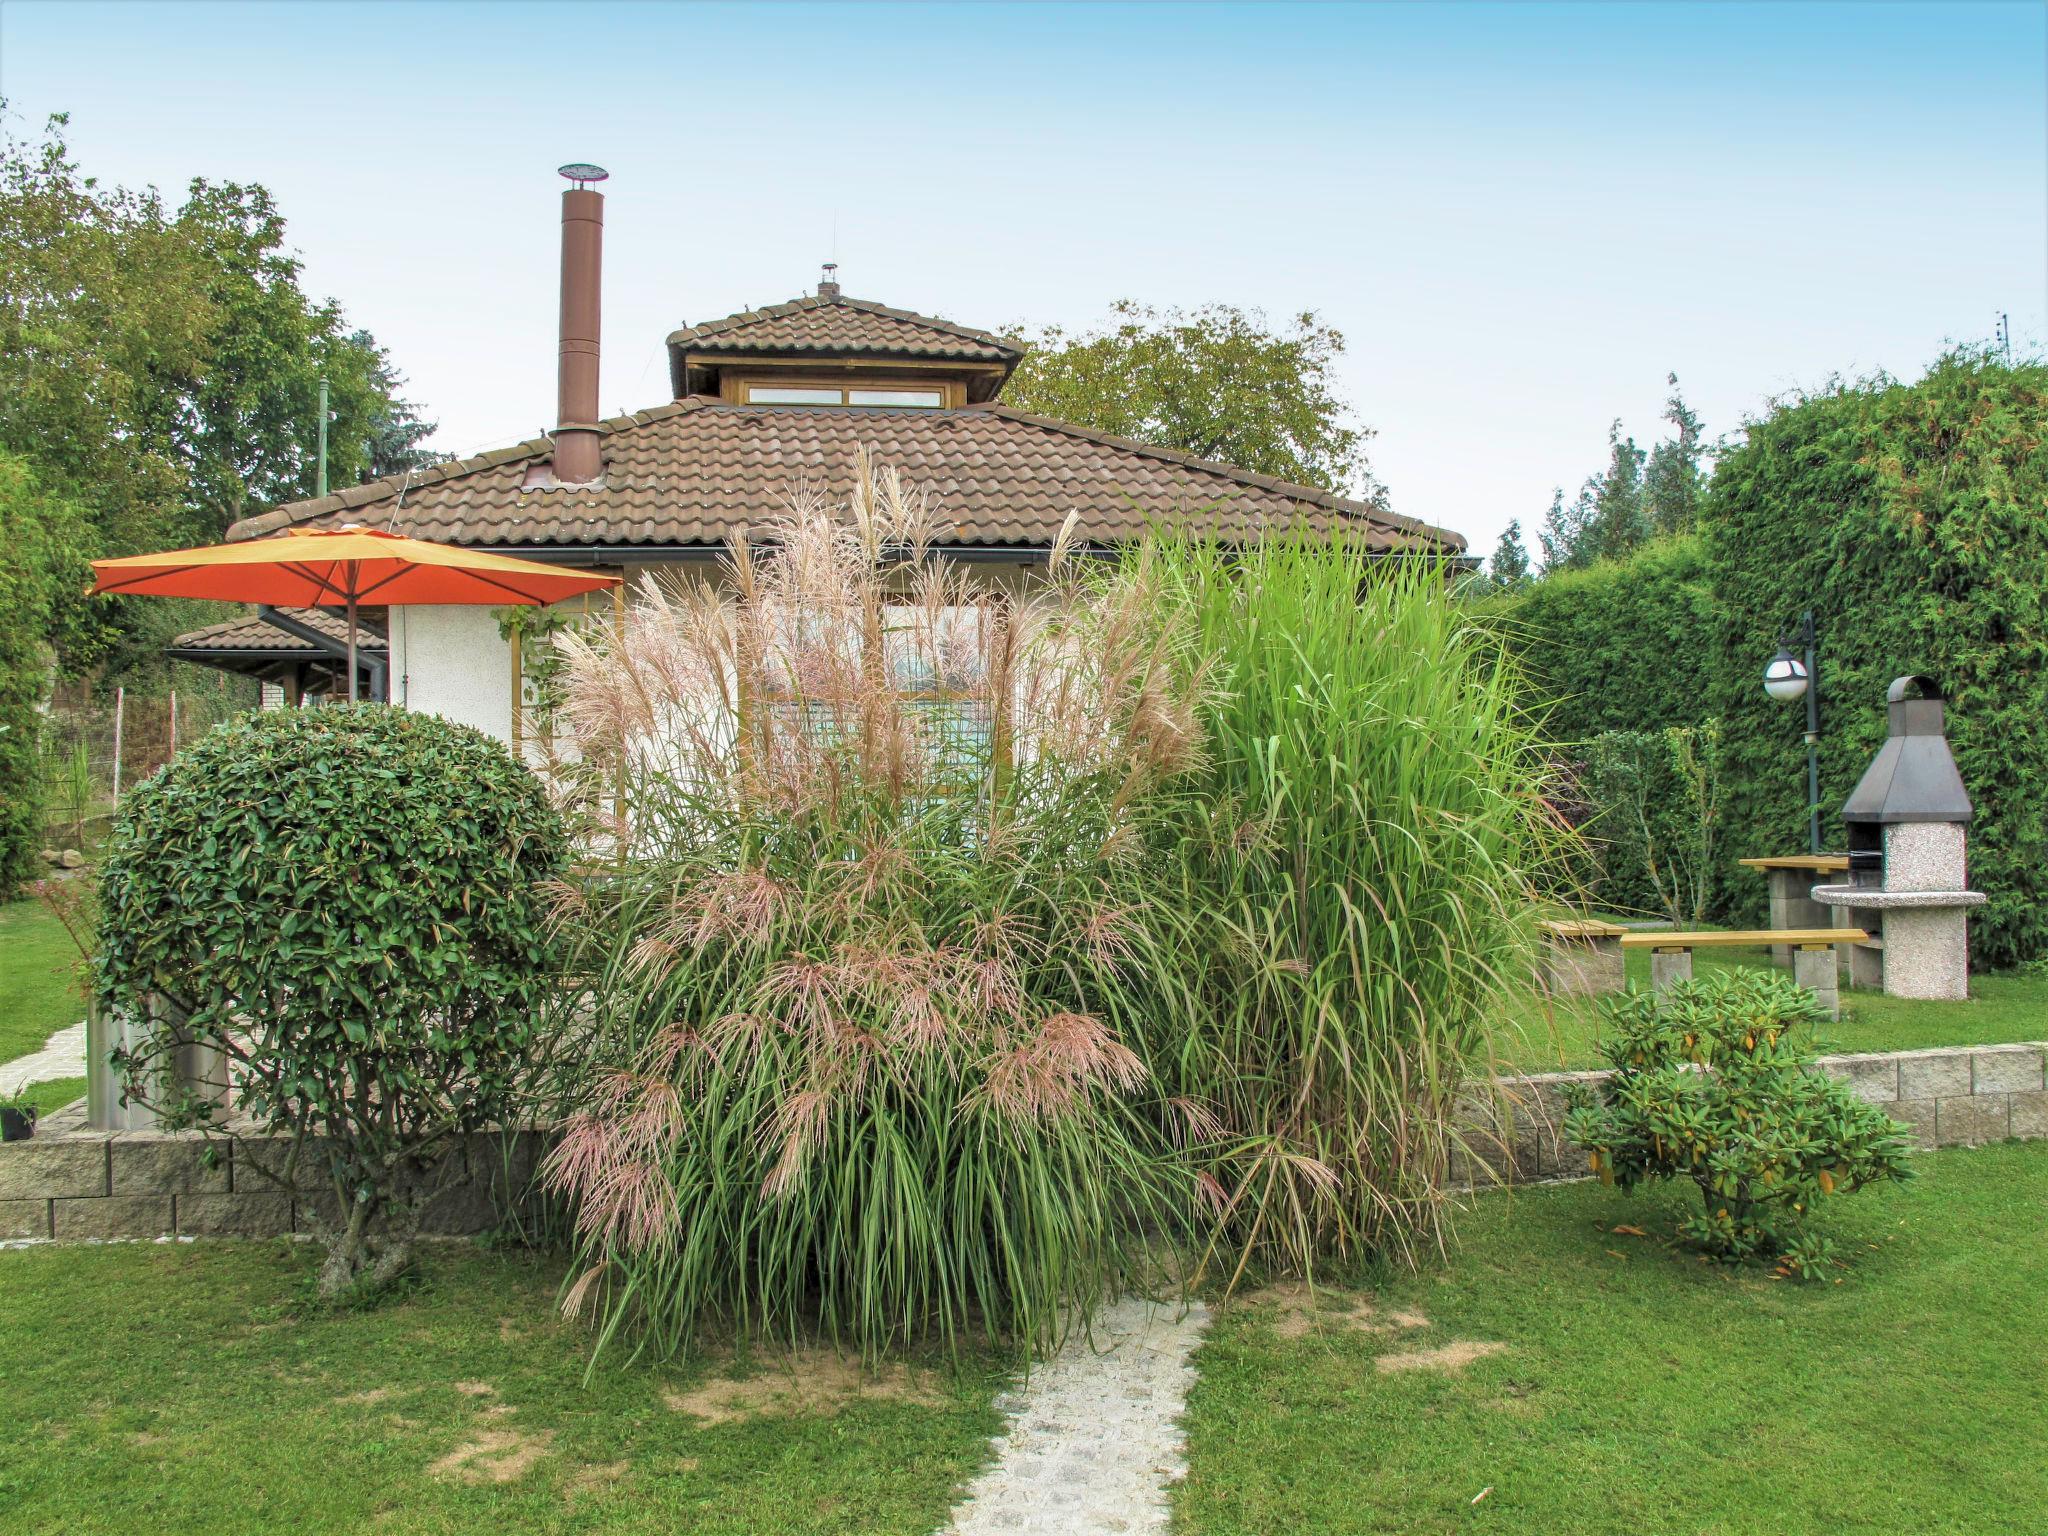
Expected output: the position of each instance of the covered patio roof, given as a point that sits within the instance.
(303, 647)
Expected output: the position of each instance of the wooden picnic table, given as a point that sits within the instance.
(1793, 878)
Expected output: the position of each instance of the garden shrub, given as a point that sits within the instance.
(1365, 833)
(1714, 1082)
(1651, 818)
(346, 903)
(1913, 520)
(895, 1029)
(862, 961)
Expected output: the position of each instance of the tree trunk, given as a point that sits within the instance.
(361, 1258)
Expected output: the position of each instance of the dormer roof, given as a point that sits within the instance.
(832, 326)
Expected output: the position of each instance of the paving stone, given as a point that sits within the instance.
(24, 1218)
(2006, 1069)
(1970, 1122)
(39, 1168)
(1934, 1074)
(157, 1163)
(112, 1216)
(62, 1055)
(246, 1215)
(1094, 1436)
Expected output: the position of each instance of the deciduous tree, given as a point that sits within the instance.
(161, 370)
(1218, 382)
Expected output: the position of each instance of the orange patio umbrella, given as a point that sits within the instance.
(339, 568)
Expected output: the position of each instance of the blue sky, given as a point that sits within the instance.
(1522, 216)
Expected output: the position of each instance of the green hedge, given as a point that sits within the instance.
(1623, 645)
(1914, 520)
(351, 905)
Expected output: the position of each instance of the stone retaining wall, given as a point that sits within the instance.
(1952, 1096)
(73, 1184)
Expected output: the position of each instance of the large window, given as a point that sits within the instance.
(925, 397)
(935, 662)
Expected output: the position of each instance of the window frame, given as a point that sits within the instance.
(759, 703)
(952, 393)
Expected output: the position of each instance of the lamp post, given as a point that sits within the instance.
(1787, 677)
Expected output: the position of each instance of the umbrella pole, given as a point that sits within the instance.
(351, 643)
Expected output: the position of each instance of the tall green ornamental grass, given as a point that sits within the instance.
(877, 847)
(949, 955)
(1356, 879)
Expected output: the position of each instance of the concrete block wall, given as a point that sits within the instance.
(73, 1184)
(69, 1183)
(1951, 1096)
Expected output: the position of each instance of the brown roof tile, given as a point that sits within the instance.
(838, 326)
(687, 473)
(253, 633)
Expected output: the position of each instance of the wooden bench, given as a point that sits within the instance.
(1582, 957)
(1813, 956)
(1792, 879)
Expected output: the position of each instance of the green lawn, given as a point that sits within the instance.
(1638, 1392)
(1547, 1035)
(54, 1094)
(38, 993)
(168, 1383)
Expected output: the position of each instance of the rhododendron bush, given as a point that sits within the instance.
(875, 848)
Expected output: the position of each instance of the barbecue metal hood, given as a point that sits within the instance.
(1913, 777)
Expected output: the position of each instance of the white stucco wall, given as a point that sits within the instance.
(453, 662)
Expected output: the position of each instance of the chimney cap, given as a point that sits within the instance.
(828, 281)
(1913, 778)
(582, 172)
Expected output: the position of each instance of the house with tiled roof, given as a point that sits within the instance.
(764, 402)
(296, 651)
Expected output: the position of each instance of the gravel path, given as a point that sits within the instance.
(1094, 1435)
(62, 1055)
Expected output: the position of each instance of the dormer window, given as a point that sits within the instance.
(929, 397)
(833, 350)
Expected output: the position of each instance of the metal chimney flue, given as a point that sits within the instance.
(578, 438)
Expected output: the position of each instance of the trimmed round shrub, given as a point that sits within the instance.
(347, 905)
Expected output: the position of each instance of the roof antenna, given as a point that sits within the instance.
(828, 284)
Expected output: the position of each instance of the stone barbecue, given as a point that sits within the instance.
(1907, 822)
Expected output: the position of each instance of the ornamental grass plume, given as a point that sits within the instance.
(878, 842)
(1356, 870)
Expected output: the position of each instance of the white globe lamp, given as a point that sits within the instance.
(1785, 678)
